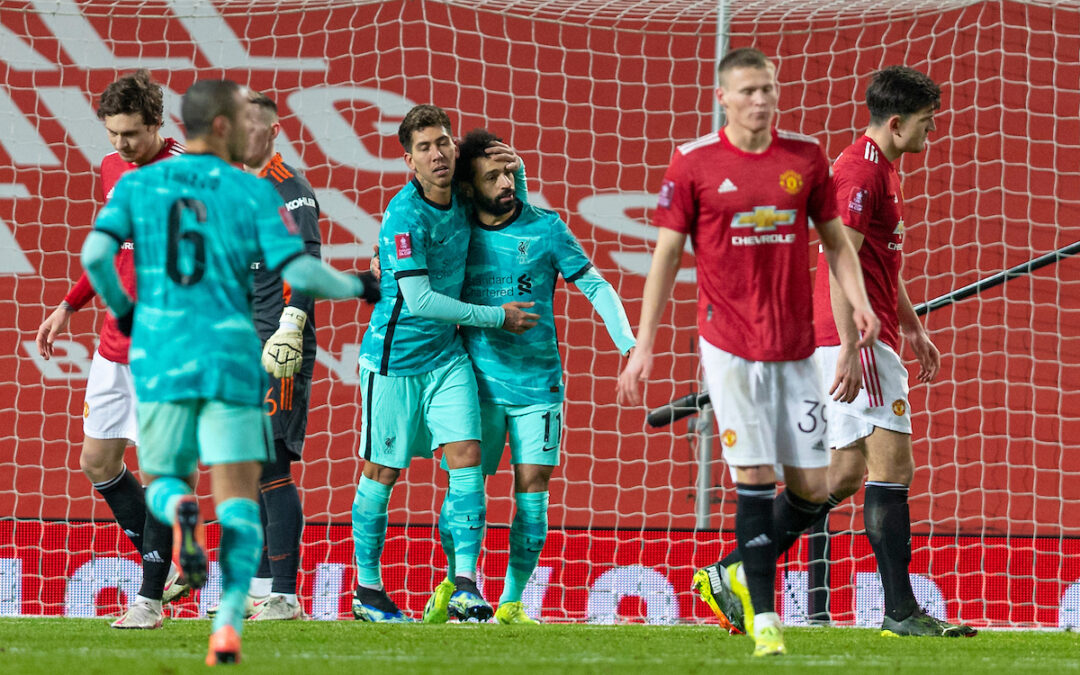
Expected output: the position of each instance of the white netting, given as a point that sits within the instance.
(595, 95)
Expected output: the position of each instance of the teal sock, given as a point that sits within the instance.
(162, 496)
(369, 530)
(239, 553)
(446, 538)
(528, 533)
(466, 514)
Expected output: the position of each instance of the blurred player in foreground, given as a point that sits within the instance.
(744, 195)
(199, 224)
(518, 251)
(132, 110)
(869, 416)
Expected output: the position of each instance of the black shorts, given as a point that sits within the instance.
(286, 402)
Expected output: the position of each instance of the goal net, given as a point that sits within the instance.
(595, 96)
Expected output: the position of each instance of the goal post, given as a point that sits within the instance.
(595, 95)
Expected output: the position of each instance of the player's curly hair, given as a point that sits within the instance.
(899, 90)
(134, 93)
(421, 117)
(475, 144)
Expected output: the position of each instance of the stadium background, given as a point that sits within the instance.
(595, 97)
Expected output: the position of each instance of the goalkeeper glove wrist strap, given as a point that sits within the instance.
(291, 317)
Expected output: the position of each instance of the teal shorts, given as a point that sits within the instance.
(410, 416)
(535, 432)
(175, 435)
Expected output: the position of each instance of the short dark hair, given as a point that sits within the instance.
(131, 94)
(744, 57)
(421, 117)
(263, 101)
(205, 100)
(475, 144)
(899, 90)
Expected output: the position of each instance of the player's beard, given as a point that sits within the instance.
(498, 206)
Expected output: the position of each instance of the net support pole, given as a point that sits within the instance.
(703, 426)
(723, 31)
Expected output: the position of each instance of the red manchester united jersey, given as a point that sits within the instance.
(746, 215)
(113, 344)
(871, 203)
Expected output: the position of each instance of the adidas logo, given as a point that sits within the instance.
(153, 556)
(726, 186)
(760, 540)
(130, 534)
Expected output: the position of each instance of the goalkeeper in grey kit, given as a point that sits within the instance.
(285, 321)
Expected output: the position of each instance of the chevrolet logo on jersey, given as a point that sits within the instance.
(764, 220)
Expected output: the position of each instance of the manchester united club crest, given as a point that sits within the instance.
(728, 438)
(899, 407)
(85, 409)
(791, 181)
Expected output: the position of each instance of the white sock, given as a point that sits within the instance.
(259, 587)
(766, 619)
(155, 604)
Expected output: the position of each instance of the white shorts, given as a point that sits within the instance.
(109, 406)
(882, 401)
(767, 413)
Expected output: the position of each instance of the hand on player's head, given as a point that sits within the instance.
(869, 326)
(501, 152)
(517, 320)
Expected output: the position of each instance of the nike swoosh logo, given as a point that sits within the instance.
(476, 527)
(549, 449)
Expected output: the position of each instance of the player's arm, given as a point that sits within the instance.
(111, 228)
(577, 269)
(658, 286)
(426, 303)
(848, 379)
(915, 334)
(314, 277)
(283, 352)
(97, 259)
(844, 267)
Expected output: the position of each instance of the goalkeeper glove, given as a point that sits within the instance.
(370, 285)
(283, 353)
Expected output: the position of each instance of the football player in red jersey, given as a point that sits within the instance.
(744, 196)
(870, 426)
(132, 110)
(869, 416)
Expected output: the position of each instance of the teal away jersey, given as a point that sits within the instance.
(417, 237)
(520, 260)
(198, 224)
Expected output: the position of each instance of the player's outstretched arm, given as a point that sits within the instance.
(97, 259)
(844, 265)
(51, 328)
(609, 306)
(314, 277)
(658, 285)
(426, 303)
(915, 334)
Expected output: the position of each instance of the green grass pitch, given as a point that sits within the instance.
(58, 646)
